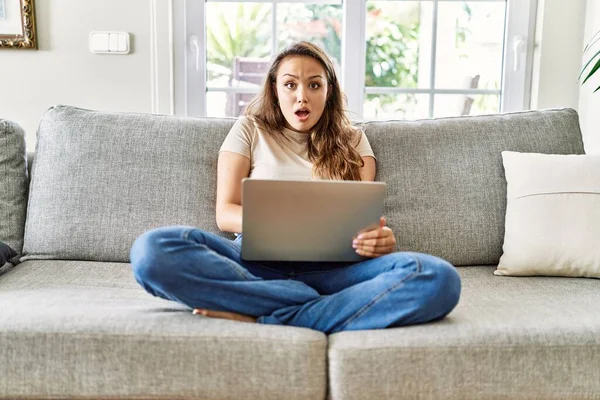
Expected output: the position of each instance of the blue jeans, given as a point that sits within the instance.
(202, 270)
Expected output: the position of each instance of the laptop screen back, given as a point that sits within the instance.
(307, 220)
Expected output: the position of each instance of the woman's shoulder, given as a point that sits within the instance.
(244, 126)
(357, 133)
(360, 141)
(243, 121)
(249, 123)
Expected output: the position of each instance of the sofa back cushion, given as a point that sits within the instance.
(446, 191)
(100, 179)
(13, 184)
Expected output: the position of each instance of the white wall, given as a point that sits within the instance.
(64, 71)
(557, 56)
(561, 35)
(589, 102)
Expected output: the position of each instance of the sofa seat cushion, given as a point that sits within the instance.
(87, 329)
(509, 337)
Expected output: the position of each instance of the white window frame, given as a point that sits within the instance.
(189, 47)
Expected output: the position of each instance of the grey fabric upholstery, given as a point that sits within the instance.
(96, 171)
(508, 338)
(13, 181)
(446, 186)
(101, 179)
(87, 329)
(83, 329)
(73, 329)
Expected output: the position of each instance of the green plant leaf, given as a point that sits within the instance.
(589, 46)
(592, 41)
(598, 88)
(592, 71)
(588, 63)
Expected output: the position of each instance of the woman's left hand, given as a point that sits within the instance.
(376, 242)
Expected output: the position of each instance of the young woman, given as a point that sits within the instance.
(294, 129)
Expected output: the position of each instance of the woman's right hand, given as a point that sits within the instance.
(376, 242)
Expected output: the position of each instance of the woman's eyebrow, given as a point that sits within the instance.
(310, 77)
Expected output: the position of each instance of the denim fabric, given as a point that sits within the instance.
(203, 270)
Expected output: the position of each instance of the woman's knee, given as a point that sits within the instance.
(444, 280)
(149, 253)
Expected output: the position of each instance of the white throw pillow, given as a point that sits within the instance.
(552, 215)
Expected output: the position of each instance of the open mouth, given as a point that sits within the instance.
(302, 114)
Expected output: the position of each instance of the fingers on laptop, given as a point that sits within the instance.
(373, 254)
(374, 251)
(376, 242)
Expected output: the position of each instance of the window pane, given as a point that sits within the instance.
(238, 43)
(396, 106)
(226, 104)
(447, 105)
(469, 47)
(320, 24)
(398, 38)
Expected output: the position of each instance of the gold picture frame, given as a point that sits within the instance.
(28, 38)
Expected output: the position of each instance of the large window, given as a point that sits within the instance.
(396, 58)
(242, 37)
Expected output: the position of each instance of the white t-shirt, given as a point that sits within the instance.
(276, 156)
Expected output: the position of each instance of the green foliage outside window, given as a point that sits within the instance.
(392, 52)
(245, 33)
(318, 24)
(392, 47)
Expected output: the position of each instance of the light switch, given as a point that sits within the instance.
(98, 42)
(113, 42)
(123, 42)
(109, 42)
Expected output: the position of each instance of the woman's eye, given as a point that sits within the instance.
(290, 85)
(314, 85)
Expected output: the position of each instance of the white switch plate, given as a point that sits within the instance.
(99, 42)
(109, 42)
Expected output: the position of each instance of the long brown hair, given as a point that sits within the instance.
(331, 142)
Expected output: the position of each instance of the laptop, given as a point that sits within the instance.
(285, 220)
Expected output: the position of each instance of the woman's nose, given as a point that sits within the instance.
(300, 95)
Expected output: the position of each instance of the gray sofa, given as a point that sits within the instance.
(75, 324)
